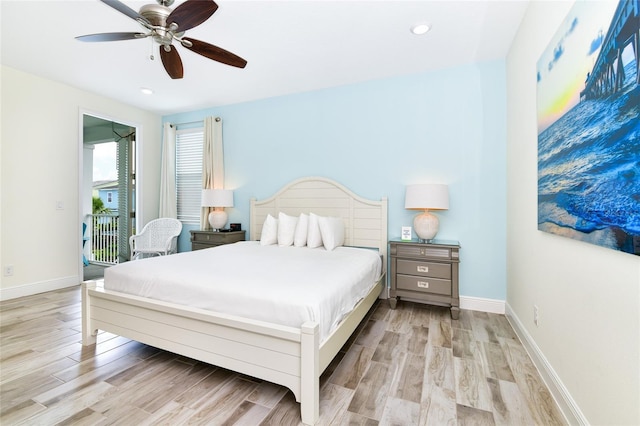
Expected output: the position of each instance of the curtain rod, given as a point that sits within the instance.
(193, 122)
(187, 123)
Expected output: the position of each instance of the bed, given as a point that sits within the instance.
(291, 356)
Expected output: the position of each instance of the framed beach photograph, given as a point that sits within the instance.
(588, 112)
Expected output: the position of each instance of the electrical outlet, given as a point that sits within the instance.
(536, 315)
(8, 270)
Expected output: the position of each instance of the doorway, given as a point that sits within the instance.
(108, 193)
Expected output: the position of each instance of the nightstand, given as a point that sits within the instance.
(207, 239)
(425, 273)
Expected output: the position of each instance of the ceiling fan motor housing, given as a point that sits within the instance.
(157, 15)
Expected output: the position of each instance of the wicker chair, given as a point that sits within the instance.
(158, 238)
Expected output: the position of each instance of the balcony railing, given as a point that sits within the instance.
(103, 238)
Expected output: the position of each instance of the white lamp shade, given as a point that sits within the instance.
(432, 196)
(426, 197)
(217, 198)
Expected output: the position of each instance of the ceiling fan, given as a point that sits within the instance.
(165, 25)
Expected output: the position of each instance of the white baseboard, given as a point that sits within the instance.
(480, 304)
(568, 406)
(39, 287)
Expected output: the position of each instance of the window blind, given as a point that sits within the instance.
(189, 174)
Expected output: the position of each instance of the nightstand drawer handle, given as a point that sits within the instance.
(421, 268)
(423, 284)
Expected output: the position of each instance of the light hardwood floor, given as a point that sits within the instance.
(409, 366)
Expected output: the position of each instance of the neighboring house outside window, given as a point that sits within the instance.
(107, 191)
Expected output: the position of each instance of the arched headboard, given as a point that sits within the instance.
(365, 220)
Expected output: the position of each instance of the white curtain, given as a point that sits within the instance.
(168, 197)
(212, 162)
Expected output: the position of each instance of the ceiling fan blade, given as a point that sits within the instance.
(123, 8)
(110, 36)
(191, 13)
(172, 62)
(214, 52)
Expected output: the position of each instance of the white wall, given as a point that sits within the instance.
(40, 163)
(588, 336)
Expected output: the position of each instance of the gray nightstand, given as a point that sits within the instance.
(425, 273)
(207, 239)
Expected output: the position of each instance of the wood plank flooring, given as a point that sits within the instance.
(409, 366)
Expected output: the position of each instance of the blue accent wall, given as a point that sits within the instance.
(376, 137)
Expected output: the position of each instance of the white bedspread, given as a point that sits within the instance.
(282, 285)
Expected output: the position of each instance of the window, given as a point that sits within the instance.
(189, 174)
(109, 199)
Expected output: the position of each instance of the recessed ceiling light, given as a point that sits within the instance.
(146, 91)
(419, 29)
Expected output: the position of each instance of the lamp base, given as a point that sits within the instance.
(426, 225)
(217, 219)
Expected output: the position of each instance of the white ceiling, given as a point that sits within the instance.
(291, 46)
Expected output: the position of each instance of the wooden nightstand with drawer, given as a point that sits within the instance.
(208, 239)
(425, 273)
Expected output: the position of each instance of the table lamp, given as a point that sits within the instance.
(218, 199)
(426, 197)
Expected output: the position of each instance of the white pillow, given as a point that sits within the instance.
(314, 238)
(332, 231)
(269, 233)
(286, 229)
(300, 234)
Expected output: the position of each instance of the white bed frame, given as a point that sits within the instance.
(291, 357)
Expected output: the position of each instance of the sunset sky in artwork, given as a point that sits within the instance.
(570, 55)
